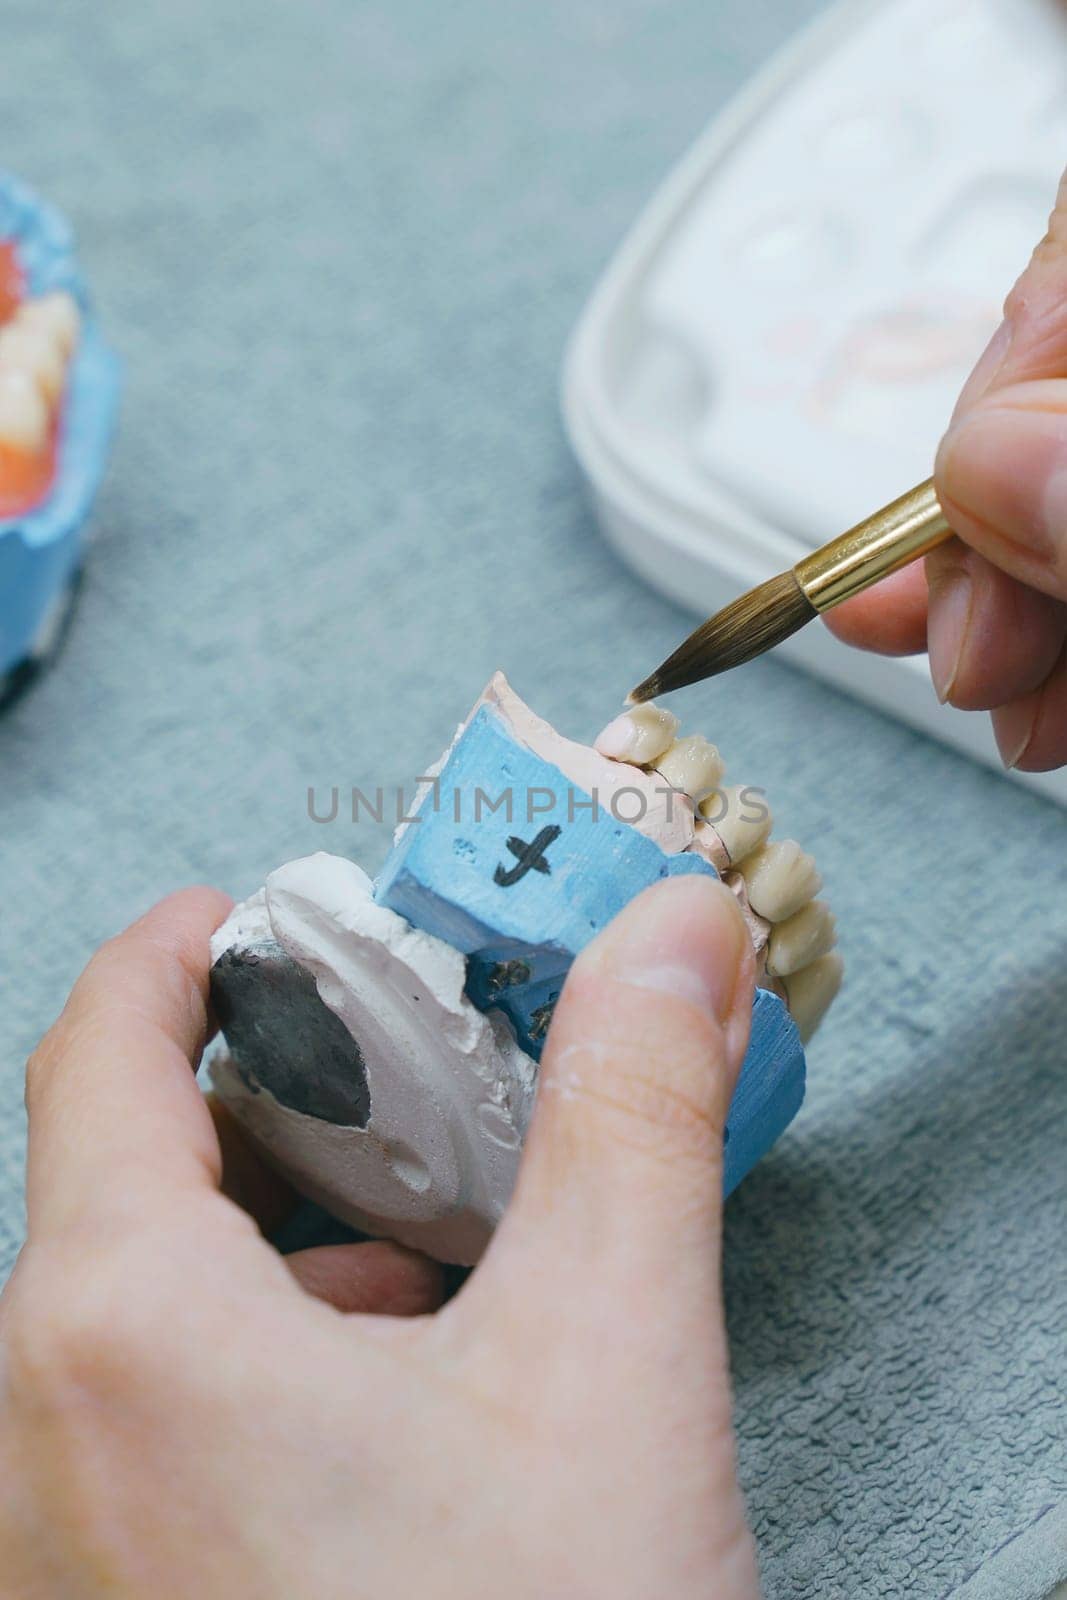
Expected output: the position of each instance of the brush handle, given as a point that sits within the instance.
(883, 543)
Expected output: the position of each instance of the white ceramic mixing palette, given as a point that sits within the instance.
(778, 345)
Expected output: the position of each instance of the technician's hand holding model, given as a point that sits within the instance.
(548, 1051)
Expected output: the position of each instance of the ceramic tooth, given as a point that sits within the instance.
(639, 736)
(692, 765)
(55, 314)
(806, 936)
(780, 879)
(812, 991)
(24, 418)
(741, 817)
(33, 351)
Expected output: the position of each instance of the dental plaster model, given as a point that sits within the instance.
(58, 392)
(383, 1039)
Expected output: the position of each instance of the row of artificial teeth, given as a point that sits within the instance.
(776, 882)
(36, 347)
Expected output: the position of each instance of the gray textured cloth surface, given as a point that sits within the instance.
(1027, 1566)
(341, 247)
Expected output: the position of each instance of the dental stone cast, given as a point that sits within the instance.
(780, 878)
(623, 791)
(759, 929)
(360, 1066)
(692, 765)
(384, 1040)
(812, 991)
(805, 937)
(706, 843)
(639, 736)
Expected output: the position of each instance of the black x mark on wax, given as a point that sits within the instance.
(528, 856)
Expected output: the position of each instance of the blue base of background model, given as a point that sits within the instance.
(41, 550)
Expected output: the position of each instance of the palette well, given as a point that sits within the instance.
(778, 344)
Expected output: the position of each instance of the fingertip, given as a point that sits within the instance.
(1013, 728)
(246, 1178)
(114, 1109)
(951, 607)
(641, 1061)
(376, 1278)
(992, 639)
(186, 912)
(621, 1177)
(685, 939)
(1031, 732)
(888, 619)
(1001, 476)
(164, 955)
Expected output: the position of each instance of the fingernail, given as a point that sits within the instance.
(1006, 467)
(1014, 729)
(689, 943)
(950, 616)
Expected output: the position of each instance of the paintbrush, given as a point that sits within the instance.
(890, 539)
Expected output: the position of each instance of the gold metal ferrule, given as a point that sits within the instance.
(890, 539)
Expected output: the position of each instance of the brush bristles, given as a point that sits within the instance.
(746, 628)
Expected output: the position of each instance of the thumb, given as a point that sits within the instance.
(1002, 466)
(621, 1181)
(601, 1285)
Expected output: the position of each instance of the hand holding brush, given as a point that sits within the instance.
(990, 604)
